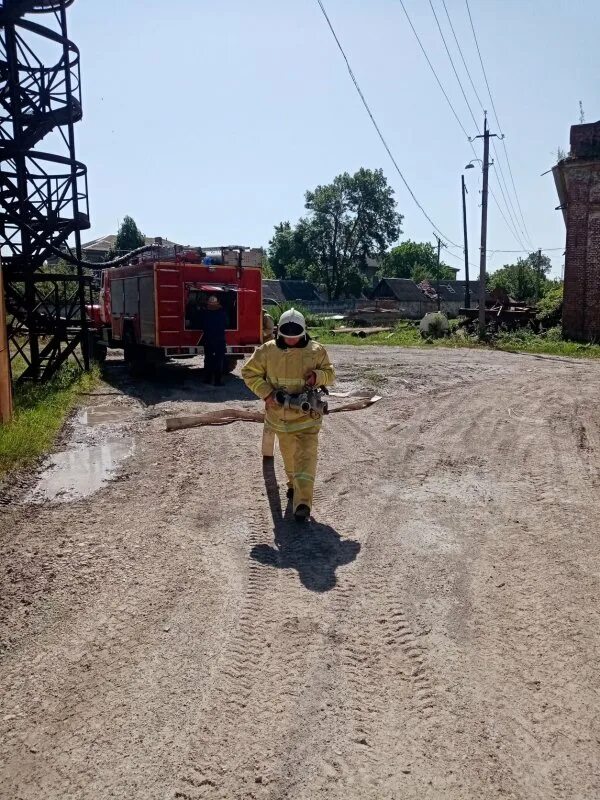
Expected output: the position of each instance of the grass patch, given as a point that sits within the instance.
(40, 411)
(549, 343)
(407, 335)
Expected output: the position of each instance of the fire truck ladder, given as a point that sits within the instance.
(43, 191)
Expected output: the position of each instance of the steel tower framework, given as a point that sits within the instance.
(43, 188)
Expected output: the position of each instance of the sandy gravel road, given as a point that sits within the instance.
(434, 633)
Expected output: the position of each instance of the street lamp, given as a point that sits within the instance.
(466, 243)
(470, 165)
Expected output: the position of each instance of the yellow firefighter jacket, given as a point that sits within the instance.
(271, 368)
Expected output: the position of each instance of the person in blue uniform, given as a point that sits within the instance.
(214, 325)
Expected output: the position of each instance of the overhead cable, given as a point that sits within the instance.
(462, 56)
(514, 234)
(501, 179)
(453, 67)
(375, 125)
(432, 68)
(496, 117)
(514, 222)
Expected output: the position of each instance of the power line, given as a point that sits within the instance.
(459, 258)
(453, 67)
(501, 181)
(501, 178)
(462, 56)
(513, 232)
(375, 125)
(508, 225)
(527, 250)
(432, 68)
(514, 223)
(497, 120)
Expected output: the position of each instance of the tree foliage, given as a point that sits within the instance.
(349, 220)
(416, 260)
(267, 269)
(129, 237)
(526, 280)
(549, 308)
(288, 254)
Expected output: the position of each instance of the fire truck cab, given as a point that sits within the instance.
(152, 308)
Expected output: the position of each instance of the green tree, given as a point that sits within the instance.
(288, 254)
(526, 280)
(416, 260)
(267, 269)
(348, 220)
(129, 237)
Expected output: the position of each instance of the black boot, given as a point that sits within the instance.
(302, 513)
(218, 379)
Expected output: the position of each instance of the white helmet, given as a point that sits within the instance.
(291, 323)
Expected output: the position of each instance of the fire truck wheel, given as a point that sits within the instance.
(99, 353)
(231, 364)
(129, 346)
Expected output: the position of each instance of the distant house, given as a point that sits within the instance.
(417, 300)
(98, 249)
(404, 290)
(285, 291)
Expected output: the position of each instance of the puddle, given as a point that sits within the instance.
(78, 473)
(108, 415)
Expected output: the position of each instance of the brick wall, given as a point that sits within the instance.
(581, 309)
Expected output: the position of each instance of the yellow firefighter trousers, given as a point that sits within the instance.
(299, 453)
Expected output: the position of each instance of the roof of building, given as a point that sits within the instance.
(455, 290)
(285, 291)
(105, 243)
(406, 290)
(403, 289)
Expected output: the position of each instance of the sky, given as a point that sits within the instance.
(208, 121)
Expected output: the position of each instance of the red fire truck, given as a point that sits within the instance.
(150, 308)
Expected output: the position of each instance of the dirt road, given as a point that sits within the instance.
(434, 633)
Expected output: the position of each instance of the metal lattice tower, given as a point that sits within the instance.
(43, 188)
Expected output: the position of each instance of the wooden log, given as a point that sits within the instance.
(229, 415)
(224, 417)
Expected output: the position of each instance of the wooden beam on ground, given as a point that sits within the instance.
(228, 415)
(362, 332)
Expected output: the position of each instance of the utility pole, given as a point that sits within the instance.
(484, 211)
(437, 288)
(464, 204)
(539, 275)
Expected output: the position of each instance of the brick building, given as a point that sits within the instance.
(577, 179)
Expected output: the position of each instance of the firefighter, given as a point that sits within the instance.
(214, 324)
(291, 362)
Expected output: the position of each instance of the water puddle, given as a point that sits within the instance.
(78, 473)
(108, 415)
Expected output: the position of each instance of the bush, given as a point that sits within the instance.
(434, 326)
(312, 320)
(554, 334)
(549, 308)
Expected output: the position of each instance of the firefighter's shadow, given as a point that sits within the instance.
(313, 549)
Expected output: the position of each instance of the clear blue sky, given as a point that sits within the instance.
(207, 121)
